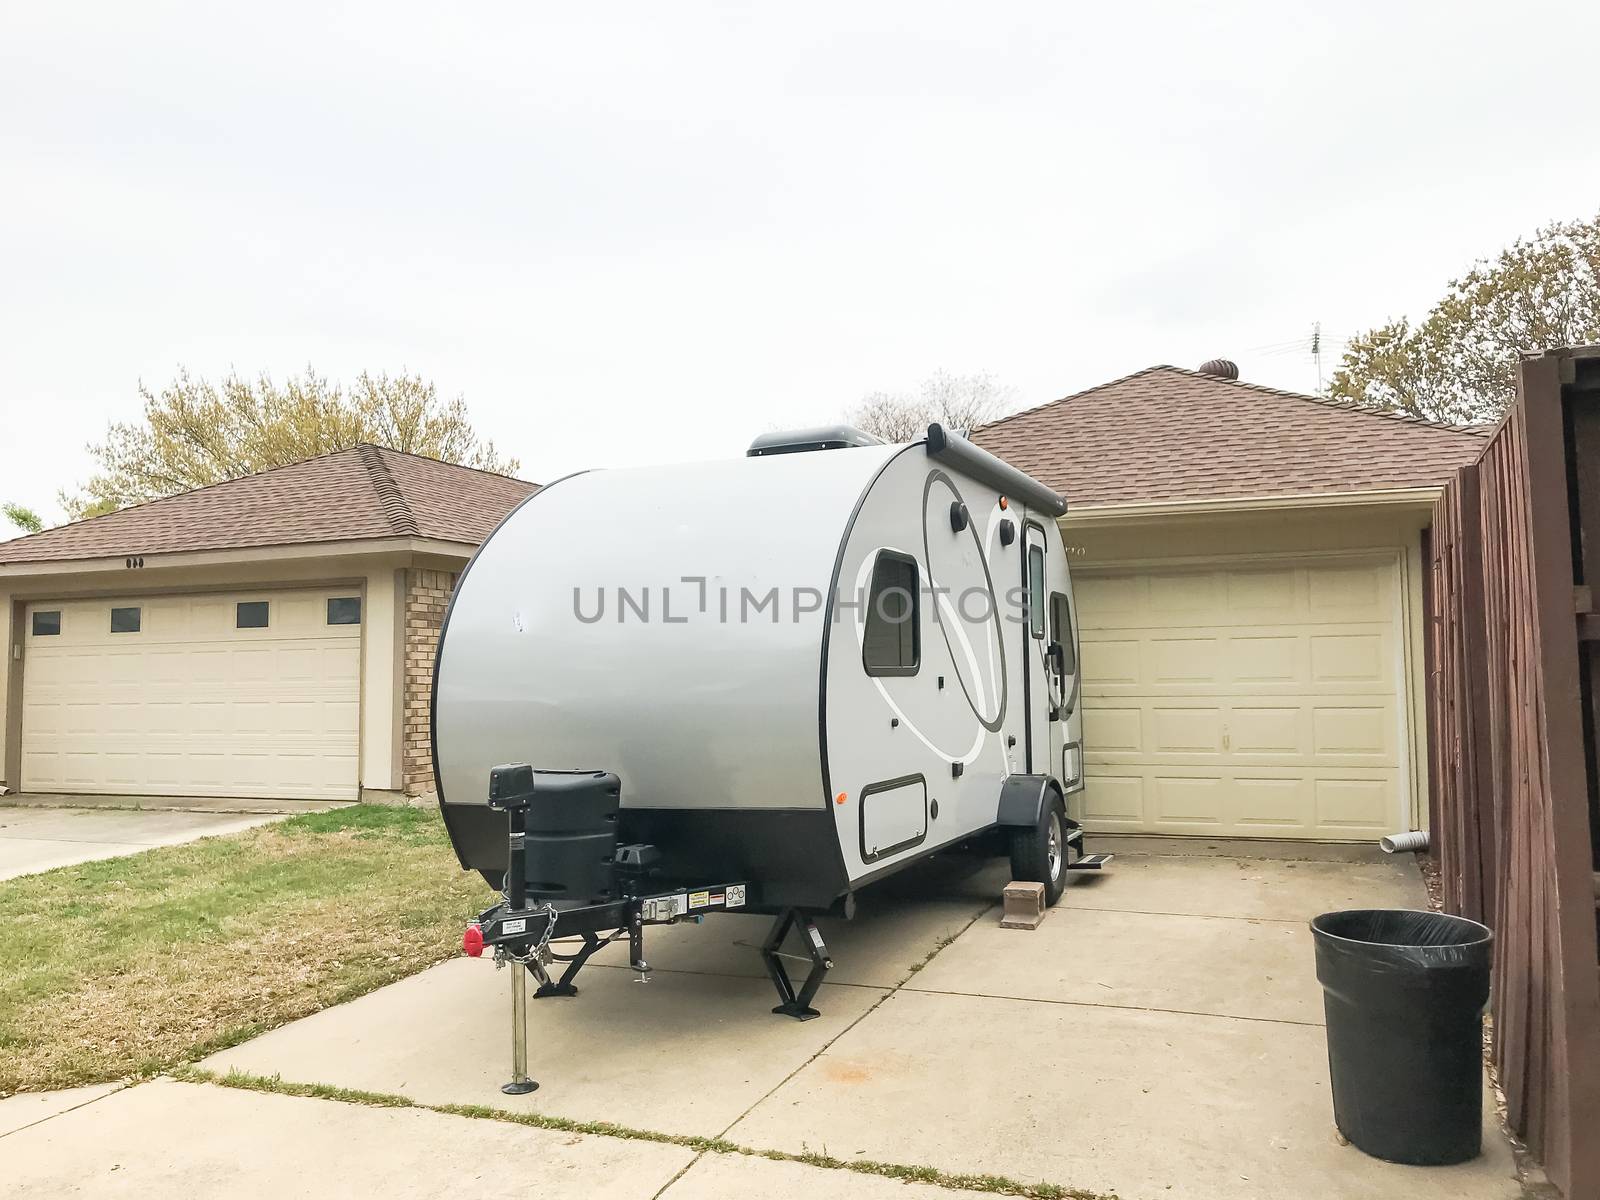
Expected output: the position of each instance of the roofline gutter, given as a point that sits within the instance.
(238, 554)
(1422, 497)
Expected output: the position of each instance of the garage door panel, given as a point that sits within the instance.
(1112, 598)
(1365, 656)
(1359, 591)
(1264, 701)
(189, 705)
(1112, 730)
(1110, 663)
(1171, 596)
(1112, 800)
(1366, 731)
(1267, 591)
(1194, 731)
(1274, 805)
(1279, 730)
(1192, 800)
(1188, 660)
(1273, 658)
(1359, 805)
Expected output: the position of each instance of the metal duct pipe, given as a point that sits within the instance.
(1417, 839)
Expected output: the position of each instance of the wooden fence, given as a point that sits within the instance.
(1513, 709)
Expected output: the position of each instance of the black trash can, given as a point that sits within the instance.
(1404, 993)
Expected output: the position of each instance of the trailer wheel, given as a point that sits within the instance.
(1039, 854)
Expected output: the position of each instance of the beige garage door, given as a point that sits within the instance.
(232, 694)
(1247, 701)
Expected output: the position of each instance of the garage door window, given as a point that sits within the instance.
(250, 614)
(344, 610)
(124, 620)
(47, 624)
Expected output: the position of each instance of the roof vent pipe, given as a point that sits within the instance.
(1222, 368)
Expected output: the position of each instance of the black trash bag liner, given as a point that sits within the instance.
(1403, 993)
(1404, 936)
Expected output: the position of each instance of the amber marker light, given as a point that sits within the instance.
(1004, 503)
(839, 799)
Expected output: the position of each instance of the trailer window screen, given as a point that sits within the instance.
(1036, 590)
(892, 639)
(1061, 629)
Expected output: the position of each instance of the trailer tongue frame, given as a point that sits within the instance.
(523, 929)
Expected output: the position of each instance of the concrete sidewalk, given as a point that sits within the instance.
(41, 838)
(1159, 1036)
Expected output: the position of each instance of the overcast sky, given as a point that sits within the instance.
(629, 233)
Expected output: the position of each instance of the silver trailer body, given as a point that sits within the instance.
(807, 669)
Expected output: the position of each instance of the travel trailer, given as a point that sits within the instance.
(757, 685)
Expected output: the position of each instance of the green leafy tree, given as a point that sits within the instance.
(958, 402)
(1459, 363)
(196, 432)
(23, 517)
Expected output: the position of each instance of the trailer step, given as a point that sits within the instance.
(1090, 862)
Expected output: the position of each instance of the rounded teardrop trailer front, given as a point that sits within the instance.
(756, 685)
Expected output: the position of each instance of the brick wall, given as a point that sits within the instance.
(427, 595)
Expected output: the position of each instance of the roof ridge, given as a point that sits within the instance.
(444, 462)
(1329, 402)
(392, 500)
(1472, 431)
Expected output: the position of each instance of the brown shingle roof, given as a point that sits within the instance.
(364, 492)
(1167, 434)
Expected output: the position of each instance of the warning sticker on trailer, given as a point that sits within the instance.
(736, 895)
(699, 899)
(716, 898)
(520, 925)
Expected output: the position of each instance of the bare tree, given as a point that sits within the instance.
(958, 402)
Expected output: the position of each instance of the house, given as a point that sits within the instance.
(1249, 570)
(268, 636)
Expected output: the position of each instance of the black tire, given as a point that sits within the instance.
(1032, 860)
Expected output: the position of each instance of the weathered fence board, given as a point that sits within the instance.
(1512, 759)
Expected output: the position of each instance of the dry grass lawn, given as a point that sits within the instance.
(132, 965)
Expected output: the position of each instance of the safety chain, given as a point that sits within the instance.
(539, 952)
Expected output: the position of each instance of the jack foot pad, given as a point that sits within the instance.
(545, 990)
(519, 1087)
(798, 1011)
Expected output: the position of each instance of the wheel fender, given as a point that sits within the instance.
(1023, 798)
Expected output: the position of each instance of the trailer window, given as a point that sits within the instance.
(1061, 630)
(892, 641)
(1036, 590)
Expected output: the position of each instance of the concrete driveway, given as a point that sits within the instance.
(38, 838)
(1159, 1036)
